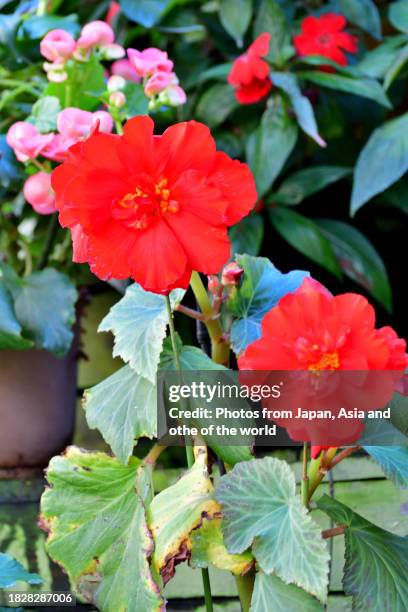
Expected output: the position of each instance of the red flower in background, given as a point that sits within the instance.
(249, 74)
(324, 36)
(314, 330)
(153, 208)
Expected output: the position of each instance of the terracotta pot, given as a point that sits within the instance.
(37, 407)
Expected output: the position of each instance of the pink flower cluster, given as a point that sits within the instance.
(73, 125)
(58, 46)
(154, 69)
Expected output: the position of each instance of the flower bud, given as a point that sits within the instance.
(117, 99)
(57, 45)
(213, 284)
(231, 274)
(116, 83)
(38, 192)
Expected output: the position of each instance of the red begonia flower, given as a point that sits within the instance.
(324, 36)
(312, 330)
(249, 74)
(152, 208)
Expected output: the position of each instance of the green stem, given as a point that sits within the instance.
(219, 347)
(305, 480)
(118, 126)
(49, 241)
(245, 585)
(189, 449)
(42, 8)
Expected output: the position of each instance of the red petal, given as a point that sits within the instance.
(260, 46)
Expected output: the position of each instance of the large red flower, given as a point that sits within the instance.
(324, 36)
(249, 74)
(153, 208)
(311, 329)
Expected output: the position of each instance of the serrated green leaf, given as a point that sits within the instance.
(246, 236)
(383, 160)
(398, 15)
(270, 145)
(123, 408)
(10, 328)
(301, 105)
(394, 462)
(44, 304)
(179, 509)
(216, 103)
(306, 182)
(98, 530)
(11, 572)
(44, 114)
(138, 322)
(363, 13)
(271, 593)
(208, 548)
(235, 16)
(260, 507)
(261, 288)
(376, 563)
(364, 87)
(305, 235)
(358, 259)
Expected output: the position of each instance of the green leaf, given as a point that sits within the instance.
(217, 73)
(363, 13)
(383, 160)
(217, 102)
(98, 530)
(304, 183)
(124, 408)
(378, 61)
(10, 328)
(44, 114)
(247, 235)
(270, 146)
(44, 303)
(138, 322)
(301, 105)
(305, 235)
(358, 259)
(394, 462)
(136, 101)
(11, 571)
(271, 593)
(208, 548)
(260, 507)
(145, 12)
(364, 87)
(261, 288)
(85, 82)
(396, 67)
(398, 15)
(271, 18)
(37, 26)
(376, 563)
(176, 511)
(235, 16)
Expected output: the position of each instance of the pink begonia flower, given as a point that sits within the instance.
(158, 82)
(125, 69)
(38, 192)
(74, 125)
(174, 95)
(26, 141)
(57, 45)
(79, 244)
(96, 34)
(149, 60)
